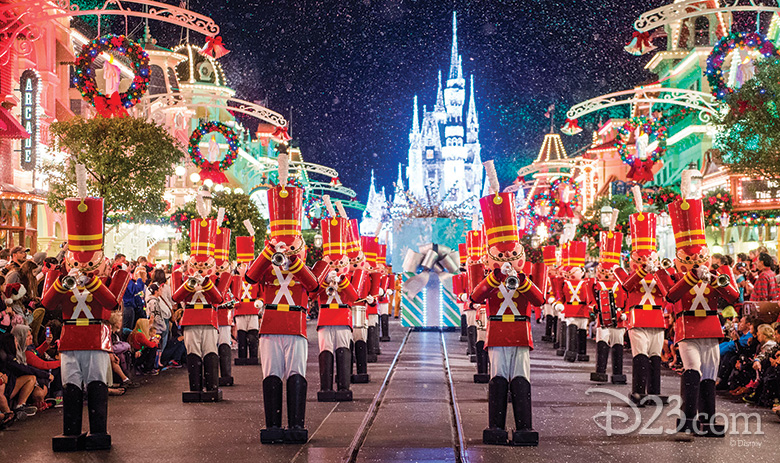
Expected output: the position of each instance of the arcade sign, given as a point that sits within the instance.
(750, 193)
(29, 86)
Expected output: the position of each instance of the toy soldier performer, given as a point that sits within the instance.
(86, 305)
(248, 301)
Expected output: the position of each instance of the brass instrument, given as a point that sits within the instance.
(722, 280)
(512, 282)
(279, 259)
(68, 282)
(667, 263)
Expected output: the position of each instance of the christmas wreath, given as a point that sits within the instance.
(117, 103)
(743, 40)
(213, 170)
(716, 203)
(641, 169)
(566, 209)
(309, 206)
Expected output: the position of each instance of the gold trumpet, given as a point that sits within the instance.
(666, 263)
(723, 280)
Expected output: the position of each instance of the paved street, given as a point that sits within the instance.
(411, 420)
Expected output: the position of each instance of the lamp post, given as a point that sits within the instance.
(605, 217)
(724, 223)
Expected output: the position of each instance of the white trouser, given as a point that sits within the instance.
(547, 309)
(283, 355)
(471, 317)
(610, 335)
(510, 362)
(84, 366)
(647, 341)
(373, 320)
(331, 338)
(200, 340)
(247, 322)
(224, 335)
(702, 355)
(359, 323)
(579, 322)
(384, 308)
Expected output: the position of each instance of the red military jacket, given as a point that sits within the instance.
(576, 298)
(604, 312)
(696, 306)
(286, 295)
(246, 294)
(225, 310)
(375, 279)
(200, 307)
(509, 312)
(335, 309)
(645, 298)
(85, 311)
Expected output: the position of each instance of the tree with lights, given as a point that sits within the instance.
(749, 142)
(127, 162)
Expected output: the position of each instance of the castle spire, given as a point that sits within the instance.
(415, 118)
(455, 67)
(472, 123)
(439, 111)
(399, 184)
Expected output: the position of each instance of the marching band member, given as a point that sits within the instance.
(576, 301)
(550, 257)
(336, 293)
(249, 301)
(509, 294)
(387, 290)
(610, 303)
(370, 245)
(563, 274)
(86, 305)
(358, 269)
(286, 281)
(475, 273)
(200, 298)
(224, 310)
(695, 296)
(645, 294)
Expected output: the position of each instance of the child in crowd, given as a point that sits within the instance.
(144, 346)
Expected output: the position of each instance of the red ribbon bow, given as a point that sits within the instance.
(571, 127)
(214, 47)
(639, 44)
(641, 171)
(211, 170)
(281, 134)
(111, 106)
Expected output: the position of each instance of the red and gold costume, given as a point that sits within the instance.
(387, 289)
(644, 301)
(224, 310)
(458, 289)
(370, 247)
(695, 293)
(248, 304)
(200, 297)
(359, 276)
(86, 304)
(475, 273)
(285, 281)
(334, 325)
(509, 294)
(577, 297)
(610, 300)
(550, 258)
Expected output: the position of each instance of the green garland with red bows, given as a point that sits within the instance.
(85, 74)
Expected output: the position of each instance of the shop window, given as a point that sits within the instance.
(172, 81)
(157, 80)
(702, 26)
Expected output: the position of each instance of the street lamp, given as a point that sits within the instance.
(195, 177)
(605, 217)
(180, 171)
(208, 183)
(206, 194)
(317, 240)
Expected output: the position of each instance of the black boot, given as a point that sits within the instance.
(554, 331)
(384, 321)
(377, 347)
(326, 393)
(689, 391)
(471, 333)
(272, 403)
(343, 364)
(524, 434)
(482, 376)
(705, 421)
(654, 379)
(72, 438)
(242, 347)
(195, 371)
(372, 343)
(602, 355)
(212, 392)
(582, 345)
(252, 340)
(617, 365)
(361, 363)
(571, 343)
(463, 328)
(496, 434)
(225, 365)
(97, 409)
(548, 328)
(560, 343)
(296, 432)
(641, 369)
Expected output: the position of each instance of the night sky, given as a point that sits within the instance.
(349, 70)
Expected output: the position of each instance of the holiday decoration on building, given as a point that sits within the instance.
(642, 159)
(112, 103)
(571, 127)
(214, 47)
(738, 40)
(640, 44)
(213, 169)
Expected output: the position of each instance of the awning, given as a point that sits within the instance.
(10, 128)
(62, 112)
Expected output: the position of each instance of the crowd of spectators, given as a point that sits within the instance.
(146, 334)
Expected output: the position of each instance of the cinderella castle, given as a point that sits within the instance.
(444, 150)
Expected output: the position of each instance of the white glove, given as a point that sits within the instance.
(370, 299)
(74, 272)
(381, 292)
(83, 280)
(463, 297)
(333, 277)
(651, 266)
(704, 274)
(623, 317)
